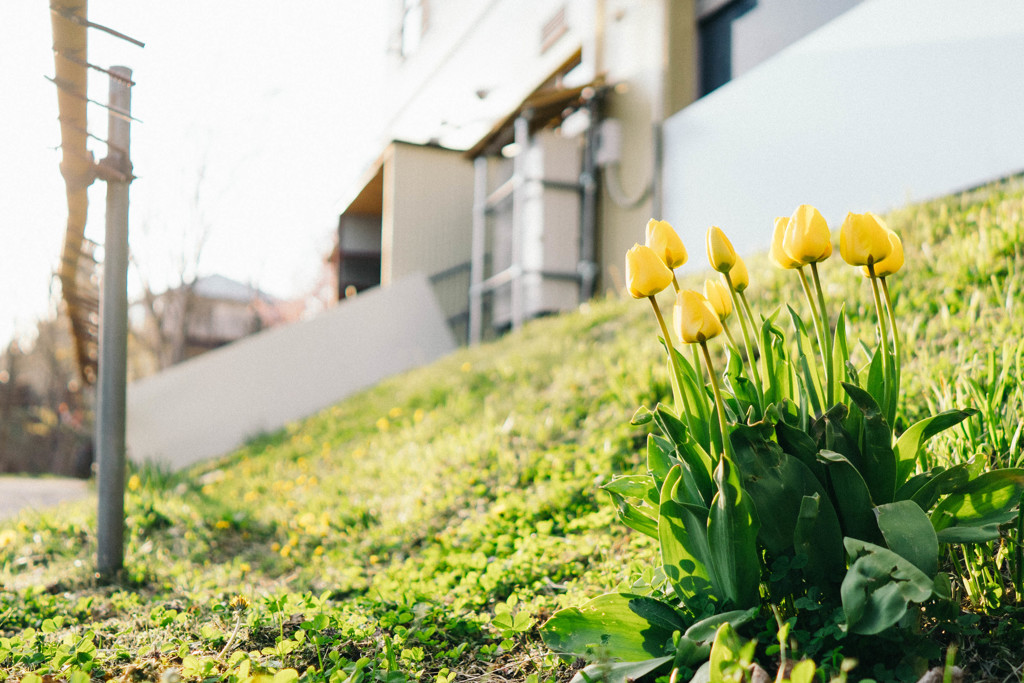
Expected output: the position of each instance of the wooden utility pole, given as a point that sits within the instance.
(116, 170)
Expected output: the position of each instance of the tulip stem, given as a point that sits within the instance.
(756, 328)
(825, 340)
(719, 403)
(677, 391)
(897, 355)
(882, 327)
(675, 282)
(756, 376)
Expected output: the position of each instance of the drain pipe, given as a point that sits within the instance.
(587, 266)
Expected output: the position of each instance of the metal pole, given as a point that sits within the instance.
(521, 129)
(478, 251)
(110, 386)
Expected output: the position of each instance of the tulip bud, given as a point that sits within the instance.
(665, 242)
(646, 273)
(863, 239)
(807, 239)
(777, 254)
(720, 252)
(719, 298)
(694, 319)
(891, 263)
(739, 276)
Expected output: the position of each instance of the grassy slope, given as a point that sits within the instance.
(406, 514)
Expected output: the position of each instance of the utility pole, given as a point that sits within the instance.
(116, 170)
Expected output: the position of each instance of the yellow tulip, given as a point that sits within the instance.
(720, 252)
(777, 254)
(807, 238)
(694, 319)
(665, 242)
(646, 273)
(739, 276)
(891, 263)
(719, 298)
(863, 239)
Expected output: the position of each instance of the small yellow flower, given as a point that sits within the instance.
(863, 239)
(739, 276)
(694, 319)
(465, 367)
(720, 252)
(646, 273)
(223, 524)
(891, 263)
(418, 415)
(395, 412)
(777, 254)
(7, 537)
(134, 483)
(807, 238)
(719, 298)
(244, 567)
(664, 240)
(383, 424)
(251, 497)
(318, 551)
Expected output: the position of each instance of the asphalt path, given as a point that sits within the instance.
(35, 493)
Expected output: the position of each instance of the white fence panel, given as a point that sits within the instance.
(212, 404)
(893, 101)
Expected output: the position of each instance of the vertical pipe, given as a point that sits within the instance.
(110, 386)
(522, 140)
(478, 251)
(588, 209)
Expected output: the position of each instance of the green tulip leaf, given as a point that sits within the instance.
(659, 460)
(732, 536)
(671, 426)
(989, 499)
(620, 672)
(878, 460)
(684, 547)
(640, 486)
(909, 533)
(807, 365)
(840, 350)
(777, 484)
(879, 587)
(641, 417)
(634, 517)
(909, 445)
(926, 489)
(851, 497)
(619, 626)
(797, 443)
(817, 539)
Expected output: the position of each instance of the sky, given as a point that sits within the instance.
(263, 109)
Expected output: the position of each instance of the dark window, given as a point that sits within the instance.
(715, 32)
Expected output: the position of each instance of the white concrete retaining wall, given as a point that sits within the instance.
(893, 101)
(212, 404)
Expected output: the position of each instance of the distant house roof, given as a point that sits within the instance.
(220, 287)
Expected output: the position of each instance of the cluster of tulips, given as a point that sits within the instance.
(799, 241)
(779, 487)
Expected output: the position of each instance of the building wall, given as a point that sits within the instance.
(428, 214)
(209, 405)
(889, 103)
(478, 60)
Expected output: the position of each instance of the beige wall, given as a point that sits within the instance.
(428, 216)
(212, 404)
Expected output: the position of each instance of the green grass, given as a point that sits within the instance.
(423, 529)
